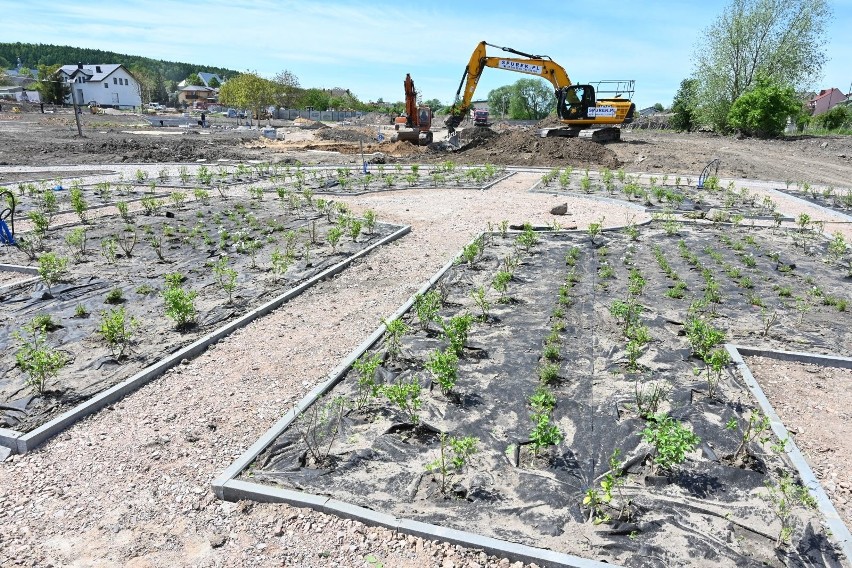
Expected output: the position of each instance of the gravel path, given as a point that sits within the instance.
(129, 486)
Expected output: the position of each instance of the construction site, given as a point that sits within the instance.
(341, 345)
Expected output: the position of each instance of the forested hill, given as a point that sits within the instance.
(34, 54)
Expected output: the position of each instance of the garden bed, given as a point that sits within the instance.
(559, 328)
(663, 193)
(833, 199)
(231, 255)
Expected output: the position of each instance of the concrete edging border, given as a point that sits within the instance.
(839, 531)
(227, 487)
(24, 442)
(828, 210)
(488, 185)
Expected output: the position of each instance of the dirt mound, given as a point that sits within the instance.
(344, 134)
(308, 123)
(526, 147)
(475, 137)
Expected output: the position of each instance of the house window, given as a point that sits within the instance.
(126, 82)
(106, 85)
(114, 81)
(97, 68)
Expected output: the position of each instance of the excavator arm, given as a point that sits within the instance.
(576, 104)
(539, 65)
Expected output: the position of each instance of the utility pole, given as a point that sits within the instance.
(76, 111)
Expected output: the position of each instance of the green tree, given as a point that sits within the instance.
(248, 90)
(763, 110)
(837, 117)
(314, 98)
(50, 85)
(434, 104)
(499, 100)
(659, 107)
(782, 39)
(532, 99)
(145, 81)
(159, 93)
(685, 106)
(286, 89)
(194, 79)
(214, 83)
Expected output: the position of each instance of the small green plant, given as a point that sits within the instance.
(123, 210)
(755, 429)
(369, 220)
(179, 303)
(427, 306)
(544, 433)
(716, 360)
(595, 229)
(548, 373)
(481, 300)
(117, 330)
(671, 440)
(406, 396)
(527, 239)
(226, 277)
(501, 283)
(114, 296)
(444, 366)
(319, 426)
(51, 269)
(78, 203)
(36, 358)
(367, 389)
(127, 239)
(784, 497)
(395, 330)
(542, 400)
(280, 263)
(455, 331)
(81, 311)
(454, 454)
(648, 400)
(76, 239)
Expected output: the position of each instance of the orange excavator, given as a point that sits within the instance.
(415, 125)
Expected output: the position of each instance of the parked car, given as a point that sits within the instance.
(234, 113)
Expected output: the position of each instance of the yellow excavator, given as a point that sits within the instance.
(576, 105)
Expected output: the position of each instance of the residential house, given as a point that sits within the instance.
(826, 100)
(196, 96)
(108, 85)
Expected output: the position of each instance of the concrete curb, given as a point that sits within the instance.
(227, 487)
(28, 441)
(18, 283)
(838, 530)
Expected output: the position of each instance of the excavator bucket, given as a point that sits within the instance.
(453, 140)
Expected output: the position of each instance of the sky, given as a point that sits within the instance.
(368, 47)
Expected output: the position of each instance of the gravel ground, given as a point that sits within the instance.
(129, 486)
(813, 403)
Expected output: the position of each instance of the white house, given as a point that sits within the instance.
(108, 85)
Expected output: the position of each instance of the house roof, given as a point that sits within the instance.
(195, 88)
(207, 77)
(832, 92)
(93, 72)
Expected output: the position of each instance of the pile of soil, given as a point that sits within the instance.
(365, 135)
(307, 123)
(525, 147)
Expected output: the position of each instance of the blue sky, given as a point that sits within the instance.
(368, 47)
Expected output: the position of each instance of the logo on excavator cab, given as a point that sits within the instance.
(520, 67)
(601, 111)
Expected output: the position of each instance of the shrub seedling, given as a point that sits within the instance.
(76, 239)
(480, 299)
(395, 331)
(226, 277)
(117, 330)
(671, 440)
(756, 429)
(114, 296)
(455, 331)
(454, 454)
(501, 283)
(406, 396)
(784, 497)
(527, 239)
(78, 203)
(319, 425)
(36, 358)
(51, 269)
(544, 433)
(427, 306)
(367, 389)
(444, 366)
(179, 303)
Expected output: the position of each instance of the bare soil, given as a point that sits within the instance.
(814, 403)
(129, 486)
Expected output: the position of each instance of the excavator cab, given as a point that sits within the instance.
(573, 102)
